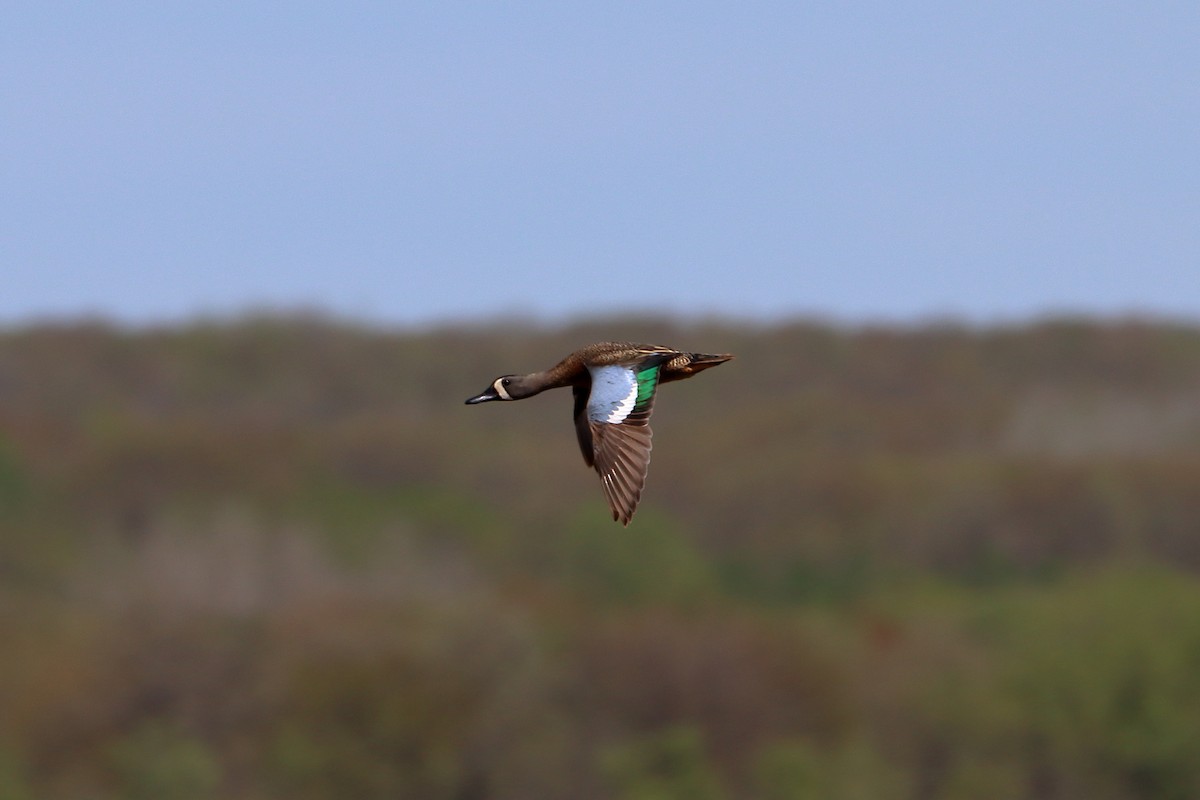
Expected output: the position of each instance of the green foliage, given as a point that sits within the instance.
(653, 562)
(422, 701)
(14, 784)
(158, 762)
(13, 482)
(788, 581)
(1080, 689)
(796, 770)
(669, 765)
(1104, 668)
(978, 777)
(377, 729)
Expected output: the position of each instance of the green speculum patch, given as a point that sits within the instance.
(647, 379)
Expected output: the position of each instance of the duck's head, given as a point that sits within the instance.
(506, 387)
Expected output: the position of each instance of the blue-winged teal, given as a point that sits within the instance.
(614, 385)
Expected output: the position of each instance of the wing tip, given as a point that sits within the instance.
(622, 465)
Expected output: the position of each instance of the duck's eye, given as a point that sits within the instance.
(505, 382)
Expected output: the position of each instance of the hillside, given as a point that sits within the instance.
(279, 557)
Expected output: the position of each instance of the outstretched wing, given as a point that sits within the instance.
(618, 415)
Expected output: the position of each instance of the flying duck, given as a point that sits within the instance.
(614, 385)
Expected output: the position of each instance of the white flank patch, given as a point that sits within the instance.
(614, 392)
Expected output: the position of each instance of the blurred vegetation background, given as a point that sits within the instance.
(279, 558)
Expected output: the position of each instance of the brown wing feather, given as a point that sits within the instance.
(622, 458)
(620, 453)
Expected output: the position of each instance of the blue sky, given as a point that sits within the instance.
(408, 163)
